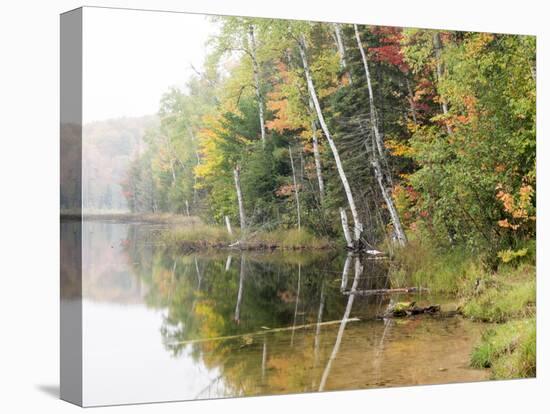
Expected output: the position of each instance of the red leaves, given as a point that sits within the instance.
(389, 50)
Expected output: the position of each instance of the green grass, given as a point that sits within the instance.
(449, 272)
(289, 239)
(203, 236)
(503, 301)
(508, 349)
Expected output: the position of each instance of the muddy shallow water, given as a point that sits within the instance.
(160, 326)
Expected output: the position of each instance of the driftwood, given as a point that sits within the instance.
(403, 309)
(370, 292)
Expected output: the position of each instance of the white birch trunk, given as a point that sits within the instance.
(193, 139)
(317, 157)
(439, 70)
(358, 226)
(228, 263)
(399, 233)
(345, 227)
(296, 194)
(256, 69)
(374, 123)
(228, 225)
(341, 49)
(237, 176)
(187, 207)
(411, 100)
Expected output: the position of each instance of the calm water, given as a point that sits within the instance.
(159, 326)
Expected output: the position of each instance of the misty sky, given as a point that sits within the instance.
(132, 57)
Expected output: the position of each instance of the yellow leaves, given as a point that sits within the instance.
(508, 255)
(399, 148)
(477, 42)
(209, 147)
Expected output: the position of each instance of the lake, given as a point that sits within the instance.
(160, 326)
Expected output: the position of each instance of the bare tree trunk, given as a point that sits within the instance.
(373, 120)
(358, 226)
(256, 68)
(400, 234)
(345, 227)
(228, 225)
(439, 69)
(240, 293)
(317, 156)
(398, 229)
(296, 194)
(339, 336)
(237, 176)
(341, 49)
(228, 263)
(187, 207)
(411, 100)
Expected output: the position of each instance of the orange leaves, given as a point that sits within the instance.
(279, 105)
(278, 102)
(285, 190)
(519, 207)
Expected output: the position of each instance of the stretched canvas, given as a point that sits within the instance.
(255, 206)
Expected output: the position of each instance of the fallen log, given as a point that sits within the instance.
(369, 292)
(402, 309)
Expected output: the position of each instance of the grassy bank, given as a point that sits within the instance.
(506, 299)
(202, 236)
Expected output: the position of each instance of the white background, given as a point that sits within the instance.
(29, 171)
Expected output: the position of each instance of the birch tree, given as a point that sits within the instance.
(317, 155)
(439, 72)
(358, 226)
(338, 37)
(257, 87)
(296, 193)
(237, 178)
(379, 153)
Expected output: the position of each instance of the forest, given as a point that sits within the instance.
(370, 135)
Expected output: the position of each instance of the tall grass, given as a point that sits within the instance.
(508, 349)
(205, 236)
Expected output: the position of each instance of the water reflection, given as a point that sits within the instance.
(159, 326)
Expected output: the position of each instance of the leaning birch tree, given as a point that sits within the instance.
(379, 153)
(358, 226)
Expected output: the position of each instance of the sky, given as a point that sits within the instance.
(132, 57)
